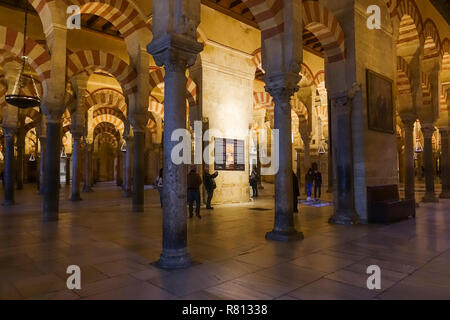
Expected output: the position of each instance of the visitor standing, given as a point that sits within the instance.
(317, 184)
(159, 186)
(254, 182)
(309, 180)
(193, 183)
(210, 185)
(296, 191)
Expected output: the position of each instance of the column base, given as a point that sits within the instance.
(8, 203)
(139, 208)
(127, 194)
(50, 218)
(174, 259)
(431, 197)
(87, 189)
(344, 218)
(445, 195)
(284, 236)
(75, 198)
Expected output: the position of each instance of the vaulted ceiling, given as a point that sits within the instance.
(233, 8)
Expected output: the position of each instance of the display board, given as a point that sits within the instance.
(229, 154)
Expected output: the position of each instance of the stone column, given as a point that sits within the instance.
(87, 168)
(52, 169)
(20, 151)
(67, 168)
(281, 88)
(409, 172)
(427, 131)
(307, 151)
(119, 169)
(445, 168)
(75, 167)
(176, 53)
(42, 141)
(330, 152)
(9, 173)
(138, 170)
(127, 168)
(344, 207)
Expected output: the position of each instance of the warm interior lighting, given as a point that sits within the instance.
(18, 98)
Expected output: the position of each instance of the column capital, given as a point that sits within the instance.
(427, 130)
(282, 87)
(175, 52)
(408, 119)
(138, 121)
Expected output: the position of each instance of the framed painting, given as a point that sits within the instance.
(380, 103)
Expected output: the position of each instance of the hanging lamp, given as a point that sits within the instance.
(418, 148)
(32, 158)
(18, 98)
(63, 153)
(123, 148)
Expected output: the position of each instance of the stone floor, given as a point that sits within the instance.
(115, 249)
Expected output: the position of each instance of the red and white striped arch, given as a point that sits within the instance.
(324, 25)
(432, 45)
(156, 107)
(94, 59)
(115, 121)
(403, 77)
(151, 125)
(411, 23)
(426, 90)
(263, 100)
(445, 54)
(122, 14)
(269, 16)
(109, 97)
(299, 108)
(257, 59)
(38, 58)
(157, 80)
(107, 138)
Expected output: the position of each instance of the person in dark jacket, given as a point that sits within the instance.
(317, 184)
(210, 185)
(296, 191)
(193, 183)
(254, 182)
(309, 180)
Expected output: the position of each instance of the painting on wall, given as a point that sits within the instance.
(229, 154)
(380, 103)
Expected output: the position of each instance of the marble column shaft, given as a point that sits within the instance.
(409, 158)
(52, 170)
(9, 173)
(281, 90)
(43, 143)
(76, 167)
(344, 209)
(127, 168)
(87, 168)
(445, 164)
(138, 171)
(427, 131)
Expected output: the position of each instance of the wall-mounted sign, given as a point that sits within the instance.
(229, 154)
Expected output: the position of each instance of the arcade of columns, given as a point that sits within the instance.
(179, 68)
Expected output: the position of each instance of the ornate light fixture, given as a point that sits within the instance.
(418, 148)
(63, 153)
(32, 158)
(17, 98)
(123, 148)
(322, 147)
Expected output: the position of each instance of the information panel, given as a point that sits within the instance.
(229, 154)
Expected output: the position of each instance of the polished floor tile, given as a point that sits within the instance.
(116, 250)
